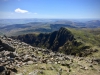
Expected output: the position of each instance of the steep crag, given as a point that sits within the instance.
(62, 41)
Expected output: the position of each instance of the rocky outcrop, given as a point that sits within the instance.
(62, 41)
(24, 54)
(52, 40)
(27, 55)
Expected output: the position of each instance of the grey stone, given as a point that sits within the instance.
(33, 73)
(30, 62)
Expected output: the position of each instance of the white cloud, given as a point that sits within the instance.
(18, 10)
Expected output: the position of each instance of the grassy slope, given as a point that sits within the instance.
(54, 69)
(90, 37)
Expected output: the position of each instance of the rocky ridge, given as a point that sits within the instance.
(18, 54)
(61, 41)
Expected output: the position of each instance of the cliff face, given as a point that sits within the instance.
(62, 41)
(52, 40)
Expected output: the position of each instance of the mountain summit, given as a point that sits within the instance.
(62, 40)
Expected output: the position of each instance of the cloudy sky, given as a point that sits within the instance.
(64, 9)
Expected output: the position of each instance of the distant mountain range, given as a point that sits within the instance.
(45, 26)
(93, 24)
(5, 22)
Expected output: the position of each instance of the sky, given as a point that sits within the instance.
(53, 9)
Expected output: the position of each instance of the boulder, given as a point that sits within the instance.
(33, 73)
(30, 62)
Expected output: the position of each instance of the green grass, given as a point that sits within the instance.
(46, 69)
(86, 37)
(46, 26)
(89, 37)
(31, 68)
